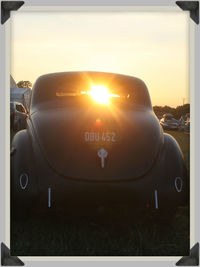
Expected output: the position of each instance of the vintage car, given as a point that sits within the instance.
(92, 137)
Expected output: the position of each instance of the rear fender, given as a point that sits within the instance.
(174, 160)
(174, 166)
(22, 162)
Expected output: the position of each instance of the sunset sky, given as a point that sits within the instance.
(153, 46)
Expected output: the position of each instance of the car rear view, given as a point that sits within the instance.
(94, 137)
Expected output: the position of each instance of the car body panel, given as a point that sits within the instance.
(137, 142)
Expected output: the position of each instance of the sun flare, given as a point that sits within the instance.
(100, 94)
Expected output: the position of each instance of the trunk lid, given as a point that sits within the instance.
(97, 144)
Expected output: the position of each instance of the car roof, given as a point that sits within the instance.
(47, 81)
(90, 73)
(85, 75)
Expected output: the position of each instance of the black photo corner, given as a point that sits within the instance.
(7, 6)
(7, 259)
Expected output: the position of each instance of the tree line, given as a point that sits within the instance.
(24, 84)
(176, 112)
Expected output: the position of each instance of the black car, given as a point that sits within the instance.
(18, 116)
(92, 137)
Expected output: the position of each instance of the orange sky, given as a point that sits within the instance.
(152, 46)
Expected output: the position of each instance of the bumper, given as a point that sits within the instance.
(75, 193)
(156, 190)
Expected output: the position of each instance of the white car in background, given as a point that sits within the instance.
(168, 122)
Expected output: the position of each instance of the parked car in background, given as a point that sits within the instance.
(187, 127)
(187, 117)
(21, 95)
(168, 122)
(184, 118)
(18, 116)
(185, 123)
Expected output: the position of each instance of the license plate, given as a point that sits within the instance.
(99, 137)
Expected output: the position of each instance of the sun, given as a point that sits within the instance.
(100, 94)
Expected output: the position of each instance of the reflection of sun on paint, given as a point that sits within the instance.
(100, 94)
(98, 122)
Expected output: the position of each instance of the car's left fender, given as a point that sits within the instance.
(24, 189)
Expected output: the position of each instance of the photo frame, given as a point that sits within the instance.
(7, 7)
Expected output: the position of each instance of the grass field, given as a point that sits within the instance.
(103, 234)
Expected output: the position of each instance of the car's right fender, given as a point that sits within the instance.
(174, 166)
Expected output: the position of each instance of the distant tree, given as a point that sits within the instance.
(176, 112)
(182, 110)
(24, 84)
(159, 111)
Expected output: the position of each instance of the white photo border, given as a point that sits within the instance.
(90, 6)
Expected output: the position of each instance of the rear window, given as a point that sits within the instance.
(75, 88)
